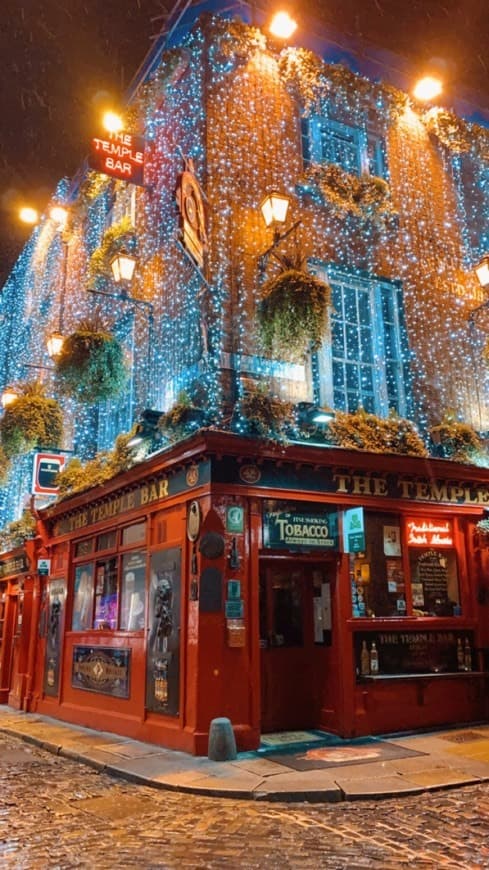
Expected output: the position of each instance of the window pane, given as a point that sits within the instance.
(82, 598)
(134, 534)
(106, 541)
(133, 591)
(106, 594)
(83, 548)
(377, 576)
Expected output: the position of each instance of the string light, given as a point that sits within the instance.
(224, 104)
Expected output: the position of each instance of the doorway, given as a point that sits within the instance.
(294, 635)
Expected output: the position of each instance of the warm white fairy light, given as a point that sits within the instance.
(231, 113)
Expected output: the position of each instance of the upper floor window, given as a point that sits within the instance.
(356, 150)
(364, 364)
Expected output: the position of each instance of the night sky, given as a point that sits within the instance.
(60, 58)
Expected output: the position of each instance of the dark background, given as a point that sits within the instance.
(62, 58)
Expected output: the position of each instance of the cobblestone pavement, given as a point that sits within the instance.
(56, 813)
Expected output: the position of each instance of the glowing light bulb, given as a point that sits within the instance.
(59, 215)
(283, 25)
(113, 123)
(427, 88)
(28, 215)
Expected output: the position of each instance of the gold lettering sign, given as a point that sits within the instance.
(146, 494)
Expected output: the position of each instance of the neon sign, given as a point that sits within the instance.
(120, 155)
(429, 533)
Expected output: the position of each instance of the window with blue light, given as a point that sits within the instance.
(357, 150)
(363, 363)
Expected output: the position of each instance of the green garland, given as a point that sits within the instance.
(366, 197)
(16, 533)
(363, 431)
(460, 442)
(292, 315)
(117, 237)
(182, 419)
(78, 476)
(91, 365)
(266, 415)
(32, 420)
(4, 466)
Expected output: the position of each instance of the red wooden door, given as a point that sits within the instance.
(287, 641)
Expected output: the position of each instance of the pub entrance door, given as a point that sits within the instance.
(293, 661)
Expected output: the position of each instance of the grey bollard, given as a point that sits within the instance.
(222, 742)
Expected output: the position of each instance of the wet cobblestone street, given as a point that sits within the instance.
(57, 813)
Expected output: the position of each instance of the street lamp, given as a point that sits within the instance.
(282, 25)
(482, 271)
(123, 265)
(28, 215)
(427, 88)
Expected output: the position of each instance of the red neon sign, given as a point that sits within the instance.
(120, 155)
(429, 533)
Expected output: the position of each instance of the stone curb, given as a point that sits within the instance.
(328, 795)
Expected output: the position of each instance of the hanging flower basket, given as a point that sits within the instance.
(91, 366)
(293, 313)
(32, 420)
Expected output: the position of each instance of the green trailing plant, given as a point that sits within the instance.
(79, 476)
(32, 420)
(451, 131)
(17, 532)
(363, 431)
(265, 415)
(365, 196)
(91, 365)
(120, 236)
(292, 315)
(459, 441)
(4, 466)
(183, 418)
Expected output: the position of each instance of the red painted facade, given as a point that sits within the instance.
(195, 610)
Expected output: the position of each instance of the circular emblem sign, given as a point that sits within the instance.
(192, 475)
(250, 473)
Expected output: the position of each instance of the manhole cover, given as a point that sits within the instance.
(464, 737)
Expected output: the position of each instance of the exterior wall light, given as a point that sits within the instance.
(274, 208)
(55, 344)
(9, 396)
(427, 88)
(309, 414)
(282, 25)
(123, 265)
(59, 215)
(482, 271)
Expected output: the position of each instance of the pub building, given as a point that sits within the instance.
(285, 585)
(285, 588)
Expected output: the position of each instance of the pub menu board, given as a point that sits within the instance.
(413, 652)
(434, 580)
